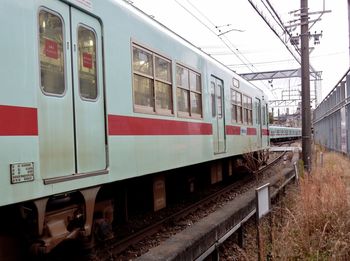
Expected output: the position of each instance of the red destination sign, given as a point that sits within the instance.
(51, 49)
(87, 60)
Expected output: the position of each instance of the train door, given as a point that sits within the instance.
(218, 115)
(259, 122)
(88, 92)
(71, 117)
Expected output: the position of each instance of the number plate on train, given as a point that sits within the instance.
(22, 172)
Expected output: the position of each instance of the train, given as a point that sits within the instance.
(331, 118)
(284, 133)
(97, 95)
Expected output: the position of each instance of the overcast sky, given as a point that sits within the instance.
(255, 47)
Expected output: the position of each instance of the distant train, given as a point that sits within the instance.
(95, 93)
(282, 133)
(331, 118)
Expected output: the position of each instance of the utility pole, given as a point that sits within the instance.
(305, 85)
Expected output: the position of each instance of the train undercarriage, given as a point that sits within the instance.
(92, 215)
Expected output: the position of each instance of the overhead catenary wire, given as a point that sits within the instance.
(222, 37)
(275, 32)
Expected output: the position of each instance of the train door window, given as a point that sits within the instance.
(219, 97)
(188, 92)
(267, 115)
(152, 82)
(52, 69)
(87, 63)
(264, 115)
(258, 113)
(213, 100)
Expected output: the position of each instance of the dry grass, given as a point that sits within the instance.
(316, 224)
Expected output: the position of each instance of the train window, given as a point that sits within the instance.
(258, 112)
(182, 92)
(233, 106)
(143, 91)
(267, 115)
(264, 115)
(189, 92)
(247, 110)
(235, 82)
(236, 102)
(51, 54)
(87, 63)
(196, 103)
(152, 82)
(196, 94)
(163, 87)
(239, 107)
(163, 96)
(142, 61)
(163, 69)
(213, 103)
(183, 101)
(219, 97)
(182, 77)
(195, 82)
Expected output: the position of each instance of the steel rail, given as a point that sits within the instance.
(117, 247)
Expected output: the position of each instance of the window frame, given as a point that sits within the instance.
(189, 114)
(236, 105)
(247, 109)
(235, 82)
(154, 109)
(63, 94)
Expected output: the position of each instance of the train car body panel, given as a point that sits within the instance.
(280, 133)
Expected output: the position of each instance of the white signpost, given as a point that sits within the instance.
(263, 206)
(263, 200)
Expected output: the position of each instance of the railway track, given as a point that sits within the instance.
(113, 248)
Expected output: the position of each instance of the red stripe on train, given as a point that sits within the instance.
(233, 130)
(251, 131)
(18, 121)
(126, 125)
(265, 132)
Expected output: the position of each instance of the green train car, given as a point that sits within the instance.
(95, 93)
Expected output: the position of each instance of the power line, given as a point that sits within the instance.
(269, 62)
(275, 32)
(281, 61)
(223, 38)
